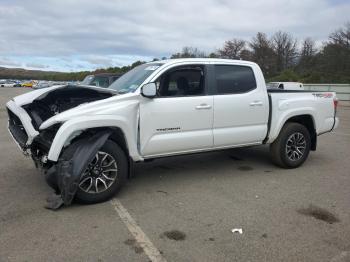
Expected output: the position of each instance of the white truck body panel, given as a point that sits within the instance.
(237, 114)
(190, 125)
(25, 118)
(308, 104)
(113, 118)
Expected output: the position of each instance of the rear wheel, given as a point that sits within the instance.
(292, 146)
(104, 176)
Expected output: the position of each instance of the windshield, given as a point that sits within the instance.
(131, 80)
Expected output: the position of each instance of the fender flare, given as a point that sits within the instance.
(288, 115)
(67, 173)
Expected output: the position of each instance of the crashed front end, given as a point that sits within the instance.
(27, 114)
(29, 140)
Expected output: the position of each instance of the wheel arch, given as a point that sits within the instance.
(117, 136)
(308, 121)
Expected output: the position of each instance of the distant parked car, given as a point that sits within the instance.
(28, 84)
(9, 83)
(41, 84)
(100, 80)
(5, 84)
(286, 85)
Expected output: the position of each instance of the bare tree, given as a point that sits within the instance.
(307, 57)
(262, 53)
(285, 48)
(232, 49)
(246, 54)
(308, 48)
(189, 52)
(334, 62)
(341, 36)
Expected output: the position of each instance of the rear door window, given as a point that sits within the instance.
(234, 79)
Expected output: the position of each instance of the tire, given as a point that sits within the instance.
(292, 146)
(110, 151)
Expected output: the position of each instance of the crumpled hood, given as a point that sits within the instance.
(106, 106)
(58, 104)
(29, 97)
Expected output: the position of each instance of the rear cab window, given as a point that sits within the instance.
(234, 79)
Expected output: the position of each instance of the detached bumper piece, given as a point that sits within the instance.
(64, 177)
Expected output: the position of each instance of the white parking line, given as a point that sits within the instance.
(150, 250)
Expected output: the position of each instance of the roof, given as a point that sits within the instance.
(203, 60)
(285, 82)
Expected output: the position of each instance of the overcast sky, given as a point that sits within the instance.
(80, 35)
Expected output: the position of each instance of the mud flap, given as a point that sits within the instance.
(70, 167)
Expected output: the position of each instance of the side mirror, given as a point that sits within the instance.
(149, 90)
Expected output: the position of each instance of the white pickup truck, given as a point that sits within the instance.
(87, 139)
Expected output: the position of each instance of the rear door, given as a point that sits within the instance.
(180, 118)
(240, 106)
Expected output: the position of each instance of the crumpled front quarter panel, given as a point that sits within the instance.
(120, 113)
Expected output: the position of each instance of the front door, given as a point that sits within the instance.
(180, 118)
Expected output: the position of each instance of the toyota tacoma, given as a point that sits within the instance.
(86, 139)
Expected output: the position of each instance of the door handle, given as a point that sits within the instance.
(203, 106)
(256, 103)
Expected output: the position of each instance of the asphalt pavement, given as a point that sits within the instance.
(186, 207)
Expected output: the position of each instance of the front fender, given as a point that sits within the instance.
(76, 125)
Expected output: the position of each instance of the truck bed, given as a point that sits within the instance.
(320, 106)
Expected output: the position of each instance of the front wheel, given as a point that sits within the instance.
(292, 146)
(104, 176)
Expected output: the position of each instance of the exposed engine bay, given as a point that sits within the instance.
(60, 100)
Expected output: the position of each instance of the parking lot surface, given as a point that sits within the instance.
(187, 207)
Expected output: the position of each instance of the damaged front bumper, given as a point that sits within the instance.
(63, 175)
(20, 125)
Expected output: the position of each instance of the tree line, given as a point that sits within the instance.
(22, 74)
(283, 58)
